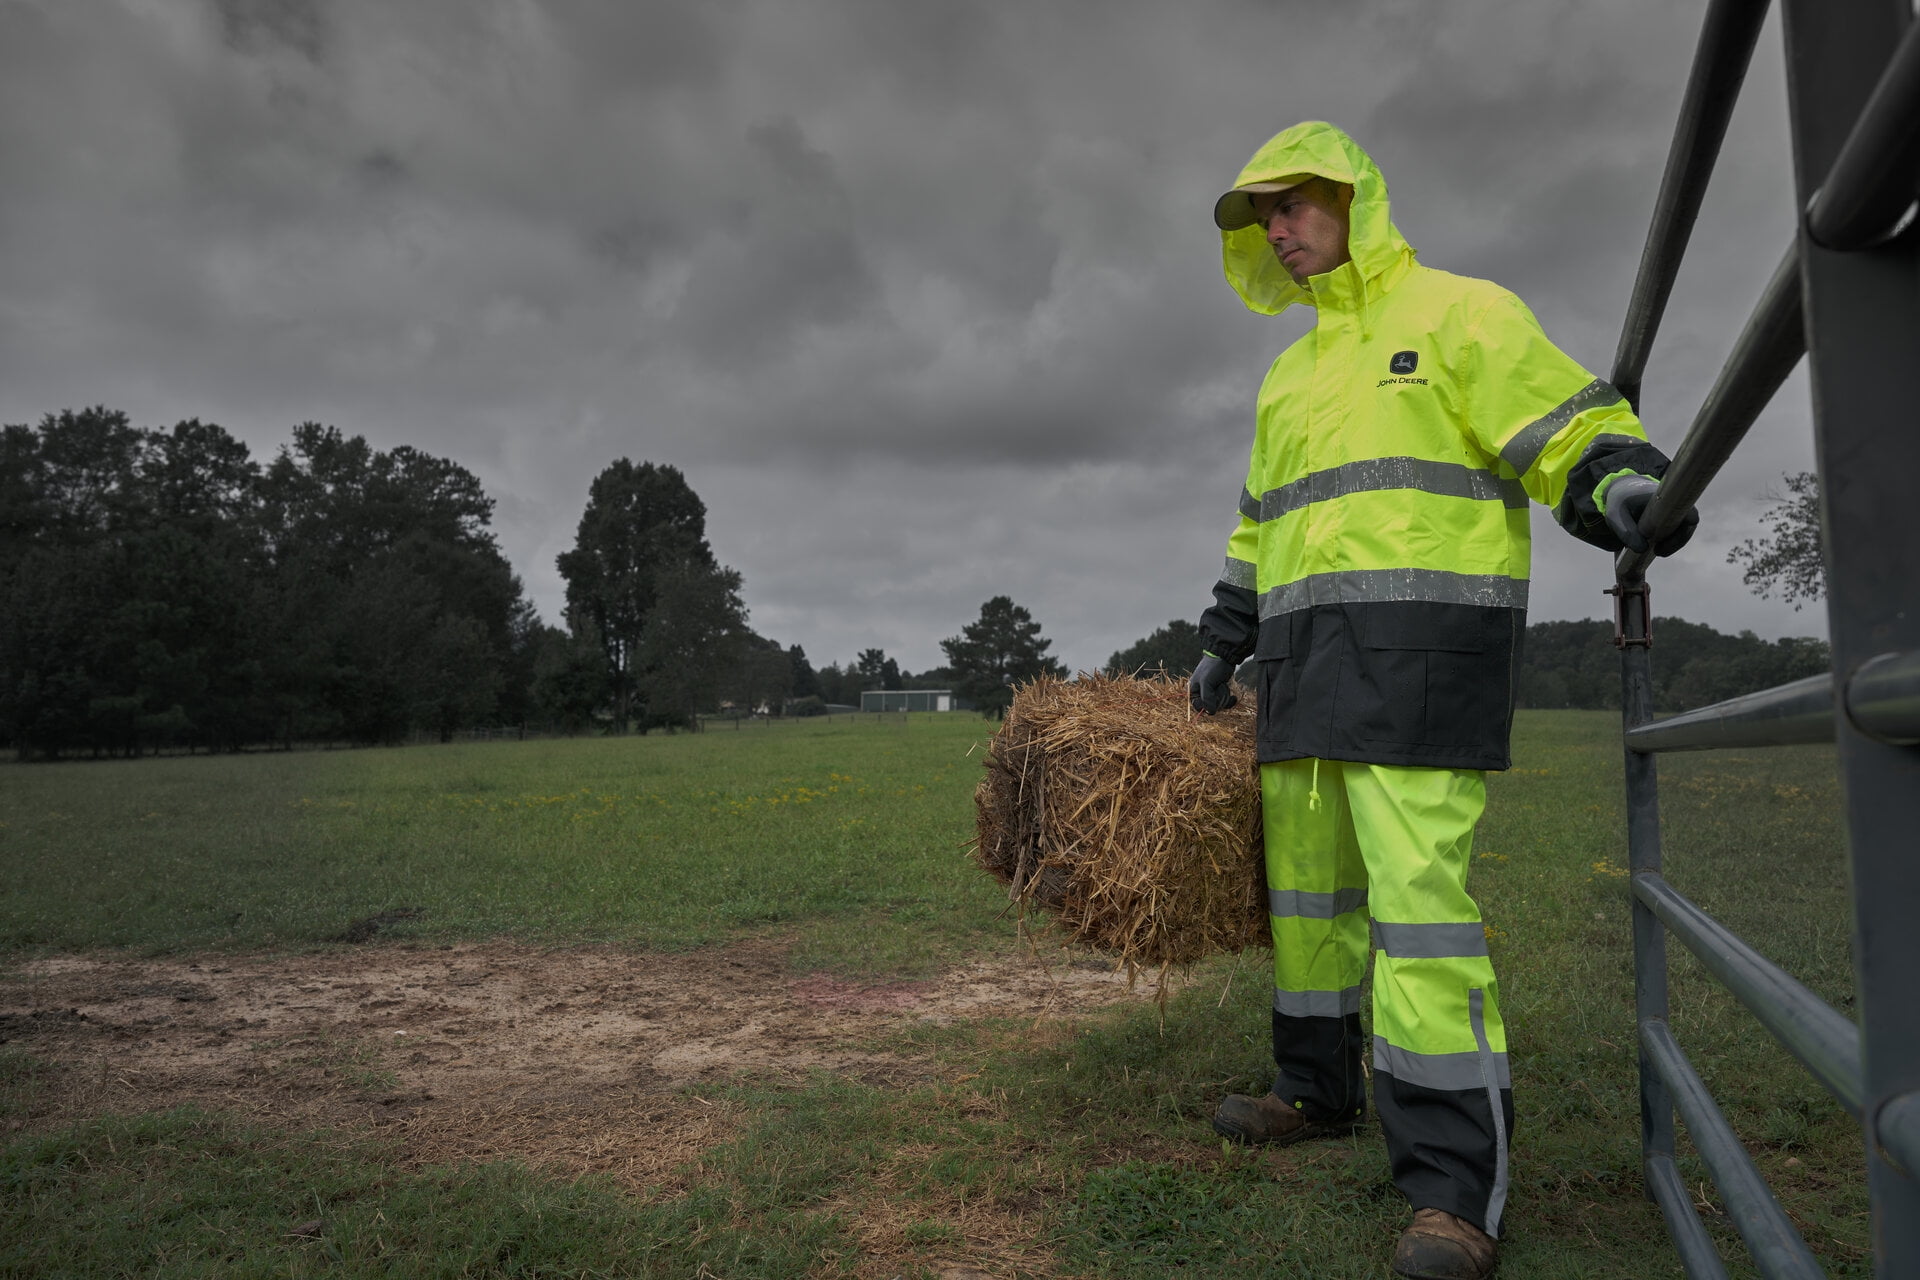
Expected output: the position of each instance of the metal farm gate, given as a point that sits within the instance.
(1847, 293)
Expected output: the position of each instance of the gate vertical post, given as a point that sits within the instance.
(1634, 636)
(1863, 333)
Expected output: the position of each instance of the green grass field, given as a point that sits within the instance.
(849, 825)
(846, 838)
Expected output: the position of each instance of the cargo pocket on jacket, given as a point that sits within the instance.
(1278, 680)
(1431, 668)
(1469, 681)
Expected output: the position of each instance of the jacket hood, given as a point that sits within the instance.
(1318, 148)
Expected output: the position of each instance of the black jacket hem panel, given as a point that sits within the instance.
(1413, 683)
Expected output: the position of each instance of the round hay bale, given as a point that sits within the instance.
(1134, 822)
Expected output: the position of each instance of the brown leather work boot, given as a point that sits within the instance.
(1439, 1246)
(1271, 1121)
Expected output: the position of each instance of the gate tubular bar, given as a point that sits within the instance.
(1868, 195)
(1883, 698)
(1899, 1127)
(1824, 1041)
(1768, 348)
(1720, 61)
(1690, 1238)
(1771, 1237)
(1782, 716)
(1882, 701)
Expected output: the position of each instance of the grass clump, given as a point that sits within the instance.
(1162, 1215)
(187, 1194)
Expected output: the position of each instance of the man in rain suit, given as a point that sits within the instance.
(1378, 580)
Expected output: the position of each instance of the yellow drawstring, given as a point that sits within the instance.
(1313, 788)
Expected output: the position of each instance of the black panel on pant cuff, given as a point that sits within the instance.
(1442, 1145)
(1319, 1061)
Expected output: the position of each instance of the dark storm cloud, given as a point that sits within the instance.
(248, 25)
(781, 259)
(620, 49)
(923, 298)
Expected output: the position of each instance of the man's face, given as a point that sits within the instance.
(1307, 227)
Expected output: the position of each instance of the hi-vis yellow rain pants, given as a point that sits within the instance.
(1350, 843)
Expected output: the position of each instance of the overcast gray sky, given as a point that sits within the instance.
(924, 298)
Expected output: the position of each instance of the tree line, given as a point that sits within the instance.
(163, 589)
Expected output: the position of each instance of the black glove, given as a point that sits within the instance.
(1211, 688)
(1626, 500)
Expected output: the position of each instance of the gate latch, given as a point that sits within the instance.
(1620, 591)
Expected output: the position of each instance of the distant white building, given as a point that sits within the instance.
(912, 700)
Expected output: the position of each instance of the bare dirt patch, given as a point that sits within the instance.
(577, 1060)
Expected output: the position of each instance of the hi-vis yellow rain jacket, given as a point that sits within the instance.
(1379, 569)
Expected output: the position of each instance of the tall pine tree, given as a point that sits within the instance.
(1001, 649)
(643, 581)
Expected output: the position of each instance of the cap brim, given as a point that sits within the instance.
(1234, 210)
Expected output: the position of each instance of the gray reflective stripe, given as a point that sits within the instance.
(1316, 1004)
(1371, 586)
(1239, 573)
(1497, 1199)
(1454, 1071)
(1430, 941)
(1288, 903)
(1523, 449)
(1249, 505)
(1373, 475)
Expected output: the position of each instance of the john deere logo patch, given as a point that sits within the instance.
(1400, 371)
